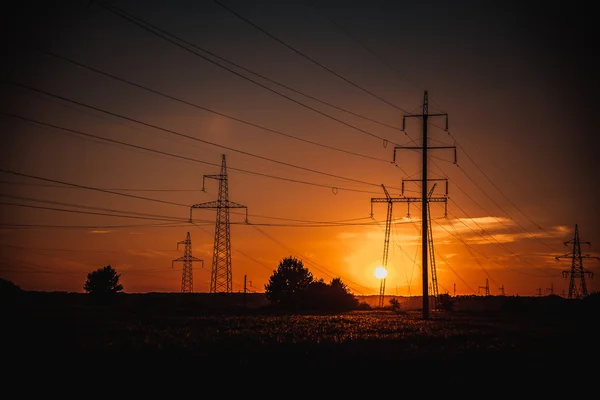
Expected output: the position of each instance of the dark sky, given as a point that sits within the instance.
(517, 81)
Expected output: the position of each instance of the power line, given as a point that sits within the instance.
(115, 189)
(505, 212)
(306, 223)
(363, 45)
(118, 142)
(232, 63)
(5, 203)
(447, 263)
(77, 250)
(194, 138)
(236, 249)
(92, 208)
(495, 240)
(504, 247)
(484, 255)
(312, 60)
(209, 110)
(488, 212)
(136, 21)
(456, 140)
(42, 226)
(92, 188)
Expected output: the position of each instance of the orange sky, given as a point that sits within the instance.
(517, 92)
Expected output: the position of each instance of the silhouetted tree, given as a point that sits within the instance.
(292, 287)
(446, 302)
(340, 298)
(314, 296)
(103, 283)
(395, 304)
(289, 280)
(8, 290)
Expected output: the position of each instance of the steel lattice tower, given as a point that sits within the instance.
(187, 281)
(434, 282)
(576, 291)
(221, 275)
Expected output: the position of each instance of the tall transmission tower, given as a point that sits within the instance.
(576, 290)
(221, 274)
(424, 209)
(187, 281)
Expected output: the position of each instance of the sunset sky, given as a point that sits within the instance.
(112, 113)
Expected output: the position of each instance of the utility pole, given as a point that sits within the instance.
(245, 289)
(424, 116)
(186, 276)
(550, 289)
(577, 270)
(486, 287)
(221, 274)
(454, 289)
(434, 285)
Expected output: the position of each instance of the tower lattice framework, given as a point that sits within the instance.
(577, 285)
(221, 274)
(187, 278)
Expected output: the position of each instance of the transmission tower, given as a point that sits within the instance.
(434, 283)
(425, 147)
(221, 275)
(501, 290)
(577, 271)
(187, 281)
(486, 287)
(390, 200)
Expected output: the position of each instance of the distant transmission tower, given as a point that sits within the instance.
(577, 270)
(187, 281)
(221, 276)
(486, 287)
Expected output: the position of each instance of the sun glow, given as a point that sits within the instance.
(380, 272)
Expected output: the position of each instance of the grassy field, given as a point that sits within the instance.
(237, 333)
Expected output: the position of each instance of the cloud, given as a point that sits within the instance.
(147, 253)
(99, 232)
(348, 235)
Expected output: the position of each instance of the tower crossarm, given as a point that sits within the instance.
(404, 200)
(407, 199)
(218, 204)
(217, 177)
(421, 147)
(184, 258)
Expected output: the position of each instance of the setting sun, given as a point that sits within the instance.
(380, 272)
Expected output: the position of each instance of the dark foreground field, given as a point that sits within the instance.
(175, 328)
